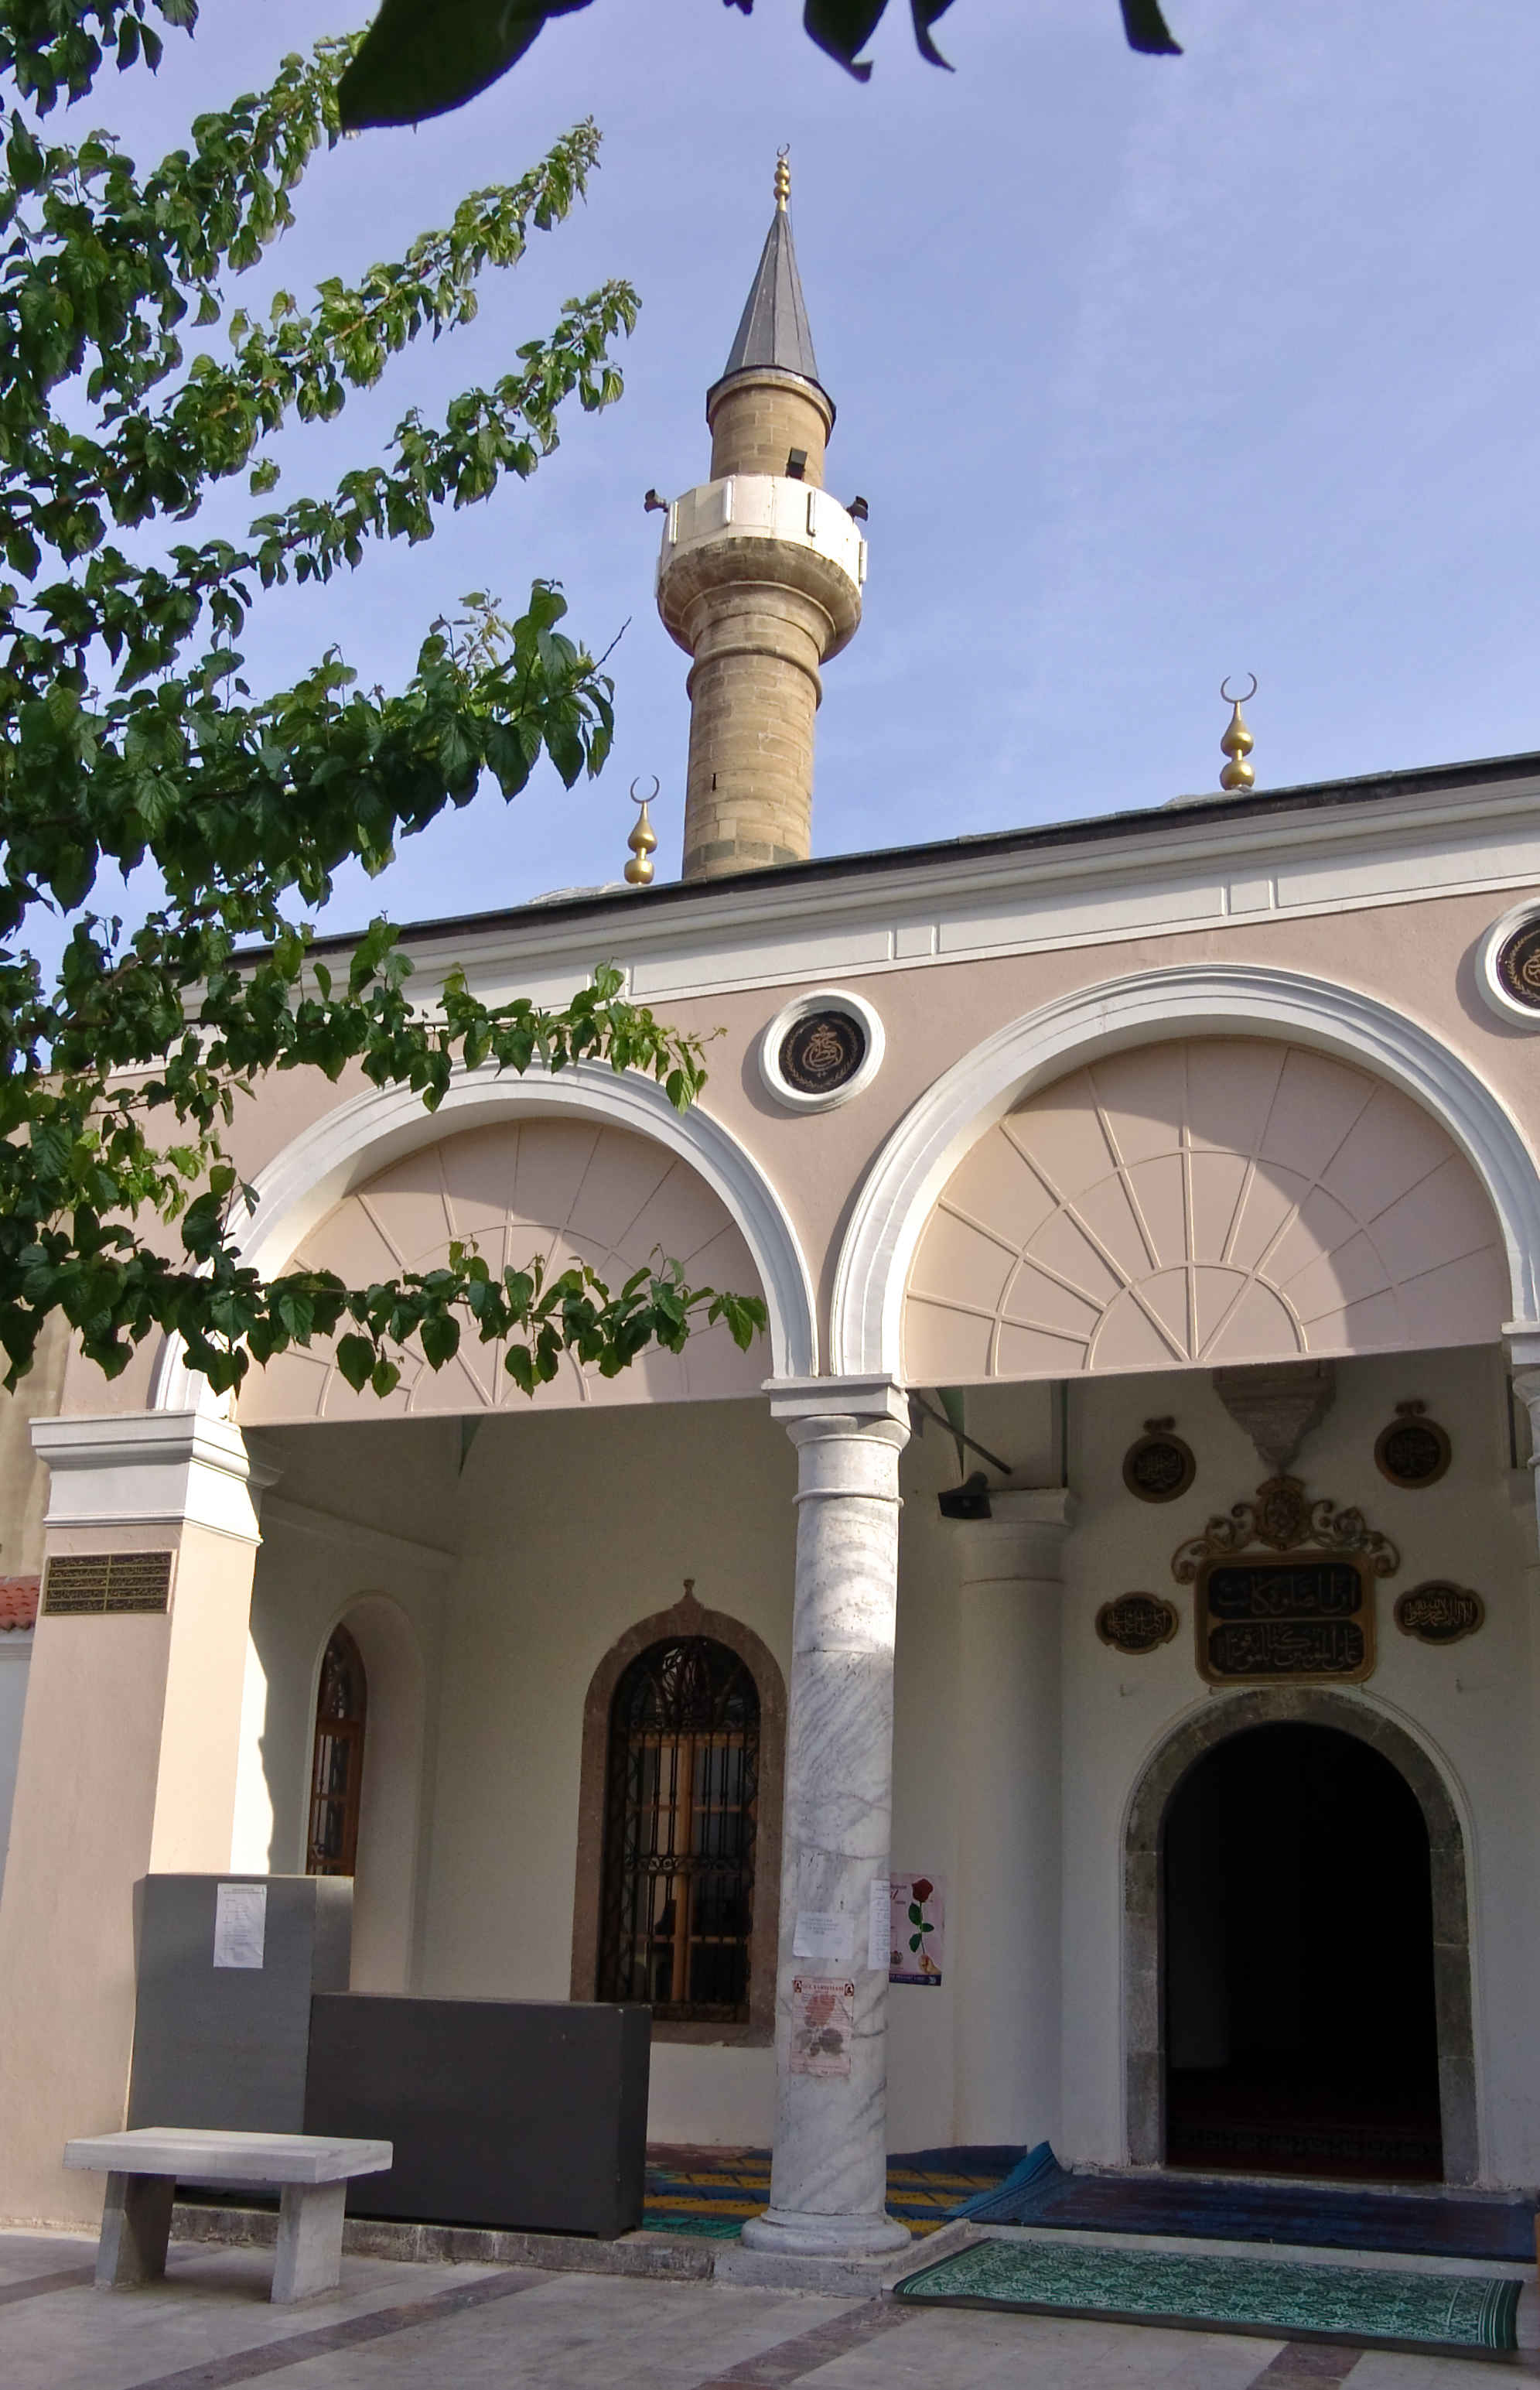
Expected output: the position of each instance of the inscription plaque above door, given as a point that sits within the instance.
(1283, 1588)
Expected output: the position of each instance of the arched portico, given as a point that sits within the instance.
(360, 1138)
(1143, 2001)
(1240, 1000)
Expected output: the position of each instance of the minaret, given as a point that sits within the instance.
(759, 581)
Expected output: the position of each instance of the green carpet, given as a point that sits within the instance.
(1471, 2314)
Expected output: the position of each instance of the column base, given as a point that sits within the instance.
(799, 2234)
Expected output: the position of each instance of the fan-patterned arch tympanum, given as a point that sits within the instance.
(566, 1189)
(1208, 1200)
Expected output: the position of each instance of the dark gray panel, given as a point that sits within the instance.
(226, 2047)
(530, 2115)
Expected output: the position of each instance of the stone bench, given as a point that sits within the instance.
(309, 2173)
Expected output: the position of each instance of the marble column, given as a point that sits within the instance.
(1523, 1347)
(129, 1751)
(829, 2179)
(1005, 1926)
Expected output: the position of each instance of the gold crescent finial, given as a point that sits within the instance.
(783, 175)
(642, 842)
(1237, 741)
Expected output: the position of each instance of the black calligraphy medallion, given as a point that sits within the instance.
(1439, 1613)
(1413, 1451)
(822, 1051)
(1518, 964)
(1137, 1622)
(1158, 1466)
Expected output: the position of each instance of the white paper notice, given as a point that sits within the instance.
(876, 1927)
(822, 1933)
(240, 1924)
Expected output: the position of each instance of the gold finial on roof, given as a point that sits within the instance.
(642, 842)
(783, 176)
(1237, 741)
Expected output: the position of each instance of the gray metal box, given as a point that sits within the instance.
(530, 2115)
(227, 1966)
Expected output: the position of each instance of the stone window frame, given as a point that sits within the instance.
(688, 1617)
(1144, 1990)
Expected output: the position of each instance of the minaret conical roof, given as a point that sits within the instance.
(775, 328)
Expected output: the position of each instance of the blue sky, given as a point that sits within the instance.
(1151, 371)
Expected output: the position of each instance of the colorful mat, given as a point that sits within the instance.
(710, 2193)
(1414, 2223)
(1456, 2314)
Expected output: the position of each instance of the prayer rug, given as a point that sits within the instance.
(710, 2193)
(1188, 2206)
(1469, 2315)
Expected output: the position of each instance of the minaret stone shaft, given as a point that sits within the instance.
(760, 581)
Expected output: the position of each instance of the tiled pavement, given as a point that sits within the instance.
(414, 2327)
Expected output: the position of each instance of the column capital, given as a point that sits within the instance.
(129, 1468)
(863, 1400)
(1522, 1339)
(1022, 1539)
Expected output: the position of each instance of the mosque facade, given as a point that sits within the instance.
(1077, 1677)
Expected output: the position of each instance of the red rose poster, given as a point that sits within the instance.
(916, 1923)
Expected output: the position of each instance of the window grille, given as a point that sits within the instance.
(338, 1769)
(681, 1807)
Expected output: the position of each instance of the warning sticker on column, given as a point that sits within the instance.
(823, 2021)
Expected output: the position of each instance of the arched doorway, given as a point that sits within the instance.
(1144, 1973)
(1300, 2028)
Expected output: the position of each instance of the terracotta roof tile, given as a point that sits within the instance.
(18, 1602)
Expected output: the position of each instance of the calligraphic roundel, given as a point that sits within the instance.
(567, 1189)
(1208, 1200)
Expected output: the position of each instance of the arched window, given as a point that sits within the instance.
(681, 1807)
(336, 1771)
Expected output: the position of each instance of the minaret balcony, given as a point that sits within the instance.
(762, 527)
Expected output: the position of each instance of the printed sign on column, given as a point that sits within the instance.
(823, 2018)
(916, 1925)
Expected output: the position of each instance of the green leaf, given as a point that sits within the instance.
(356, 1359)
(420, 57)
(441, 1339)
(1146, 30)
(916, 1913)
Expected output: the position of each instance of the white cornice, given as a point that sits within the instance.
(135, 1468)
(1153, 874)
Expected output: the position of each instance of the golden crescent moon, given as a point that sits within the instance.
(1225, 690)
(650, 798)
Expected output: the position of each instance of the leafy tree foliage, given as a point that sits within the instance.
(130, 737)
(421, 58)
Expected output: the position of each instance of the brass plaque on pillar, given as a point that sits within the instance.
(97, 1584)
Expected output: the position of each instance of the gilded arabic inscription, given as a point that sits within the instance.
(1301, 1608)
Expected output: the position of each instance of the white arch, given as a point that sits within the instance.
(300, 1185)
(1213, 1000)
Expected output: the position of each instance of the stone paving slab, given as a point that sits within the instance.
(414, 2326)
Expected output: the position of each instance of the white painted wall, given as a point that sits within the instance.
(16, 1651)
(566, 1529)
